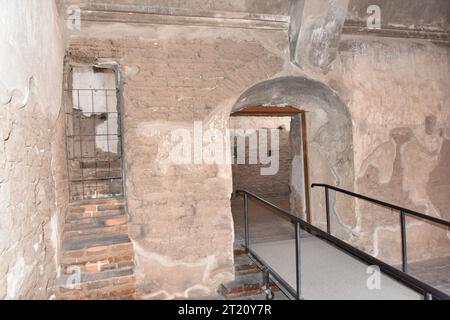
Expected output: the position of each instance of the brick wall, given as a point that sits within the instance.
(174, 76)
(181, 217)
(248, 176)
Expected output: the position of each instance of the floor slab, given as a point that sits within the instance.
(329, 273)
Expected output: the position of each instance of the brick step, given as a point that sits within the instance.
(105, 285)
(81, 214)
(239, 251)
(95, 192)
(79, 243)
(88, 232)
(98, 258)
(244, 286)
(244, 265)
(96, 222)
(96, 253)
(96, 204)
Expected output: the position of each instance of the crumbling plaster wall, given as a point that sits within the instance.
(181, 217)
(192, 6)
(430, 15)
(31, 147)
(181, 220)
(330, 142)
(397, 93)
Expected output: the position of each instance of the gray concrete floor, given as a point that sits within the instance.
(264, 225)
(329, 273)
(435, 272)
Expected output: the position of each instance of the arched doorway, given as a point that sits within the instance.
(322, 143)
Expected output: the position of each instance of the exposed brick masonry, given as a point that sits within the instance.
(97, 245)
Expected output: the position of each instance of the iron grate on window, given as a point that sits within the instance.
(93, 143)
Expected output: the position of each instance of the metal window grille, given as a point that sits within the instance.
(93, 143)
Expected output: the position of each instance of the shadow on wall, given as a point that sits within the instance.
(330, 142)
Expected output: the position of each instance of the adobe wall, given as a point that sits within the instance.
(397, 93)
(248, 176)
(181, 216)
(32, 149)
(389, 97)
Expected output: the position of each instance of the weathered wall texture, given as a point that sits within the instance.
(319, 29)
(31, 148)
(414, 14)
(248, 176)
(382, 130)
(397, 93)
(251, 6)
(181, 215)
(330, 141)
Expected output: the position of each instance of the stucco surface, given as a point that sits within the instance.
(31, 147)
(378, 122)
(181, 216)
(397, 95)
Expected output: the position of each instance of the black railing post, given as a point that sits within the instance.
(404, 243)
(327, 208)
(298, 262)
(247, 236)
(428, 292)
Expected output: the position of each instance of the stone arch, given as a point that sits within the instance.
(330, 138)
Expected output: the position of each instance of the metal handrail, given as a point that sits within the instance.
(403, 213)
(385, 204)
(428, 291)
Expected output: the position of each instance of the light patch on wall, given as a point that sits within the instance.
(317, 120)
(16, 97)
(203, 266)
(16, 276)
(54, 239)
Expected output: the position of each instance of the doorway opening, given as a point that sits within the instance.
(93, 133)
(277, 134)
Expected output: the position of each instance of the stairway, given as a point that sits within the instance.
(97, 261)
(248, 284)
